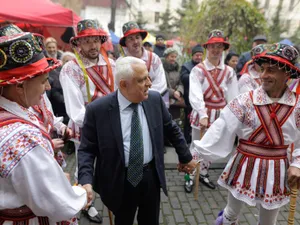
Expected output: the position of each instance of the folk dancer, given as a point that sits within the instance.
(78, 87)
(29, 173)
(212, 85)
(132, 45)
(44, 110)
(266, 121)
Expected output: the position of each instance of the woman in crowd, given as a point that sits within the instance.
(232, 60)
(174, 84)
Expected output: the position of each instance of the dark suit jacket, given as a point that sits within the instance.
(102, 138)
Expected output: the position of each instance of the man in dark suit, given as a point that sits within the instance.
(125, 131)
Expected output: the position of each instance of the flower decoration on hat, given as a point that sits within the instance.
(216, 36)
(130, 28)
(22, 58)
(281, 55)
(88, 28)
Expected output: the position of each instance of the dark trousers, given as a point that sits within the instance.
(187, 125)
(143, 199)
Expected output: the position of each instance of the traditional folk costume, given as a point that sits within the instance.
(28, 171)
(78, 87)
(153, 62)
(257, 172)
(100, 78)
(43, 111)
(210, 89)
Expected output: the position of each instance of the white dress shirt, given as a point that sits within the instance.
(125, 116)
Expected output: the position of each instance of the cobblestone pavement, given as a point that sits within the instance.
(180, 208)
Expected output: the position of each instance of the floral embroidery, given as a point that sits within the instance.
(72, 70)
(297, 114)
(17, 140)
(242, 107)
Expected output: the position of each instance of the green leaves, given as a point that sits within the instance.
(239, 20)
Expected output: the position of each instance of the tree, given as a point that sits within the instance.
(239, 20)
(187, 6)
(277, 26)
(166, 27)
(111, 24)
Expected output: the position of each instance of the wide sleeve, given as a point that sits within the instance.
(232, 86)
(196, 92)
(157, 75)
(71, 82)
(41, 184)
(87, 151)
(218, 141)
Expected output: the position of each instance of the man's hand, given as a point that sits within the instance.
(293, 177)
(89, 194)
(188, 167)
(204, 122)
(67, 133)
(177, 95)
(58, 144)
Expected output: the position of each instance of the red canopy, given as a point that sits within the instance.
(42, 12)
(42, 16)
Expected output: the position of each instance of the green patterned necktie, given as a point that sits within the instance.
(136, 152)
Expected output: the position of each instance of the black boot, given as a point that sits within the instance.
(204, 179)
(93, 218)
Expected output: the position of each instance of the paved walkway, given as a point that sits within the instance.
(180, 208)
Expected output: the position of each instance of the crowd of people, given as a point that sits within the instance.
(119, 112)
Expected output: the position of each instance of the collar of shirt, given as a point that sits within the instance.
(260, 97)
(87, 63)
(123, 102)
(144, 55)
(210, 66)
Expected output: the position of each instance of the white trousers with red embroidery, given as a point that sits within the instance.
(234, 207)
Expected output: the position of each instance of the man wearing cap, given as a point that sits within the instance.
(266, 121)
(160, 46)
(212, 85)
(43, 110)
(85, 79)
(34, 189)
(246, 56)
(186, 68)
(132, 45)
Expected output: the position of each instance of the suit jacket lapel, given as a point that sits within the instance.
(147, 111)
(114, 114)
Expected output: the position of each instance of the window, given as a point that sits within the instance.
(156, 17)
